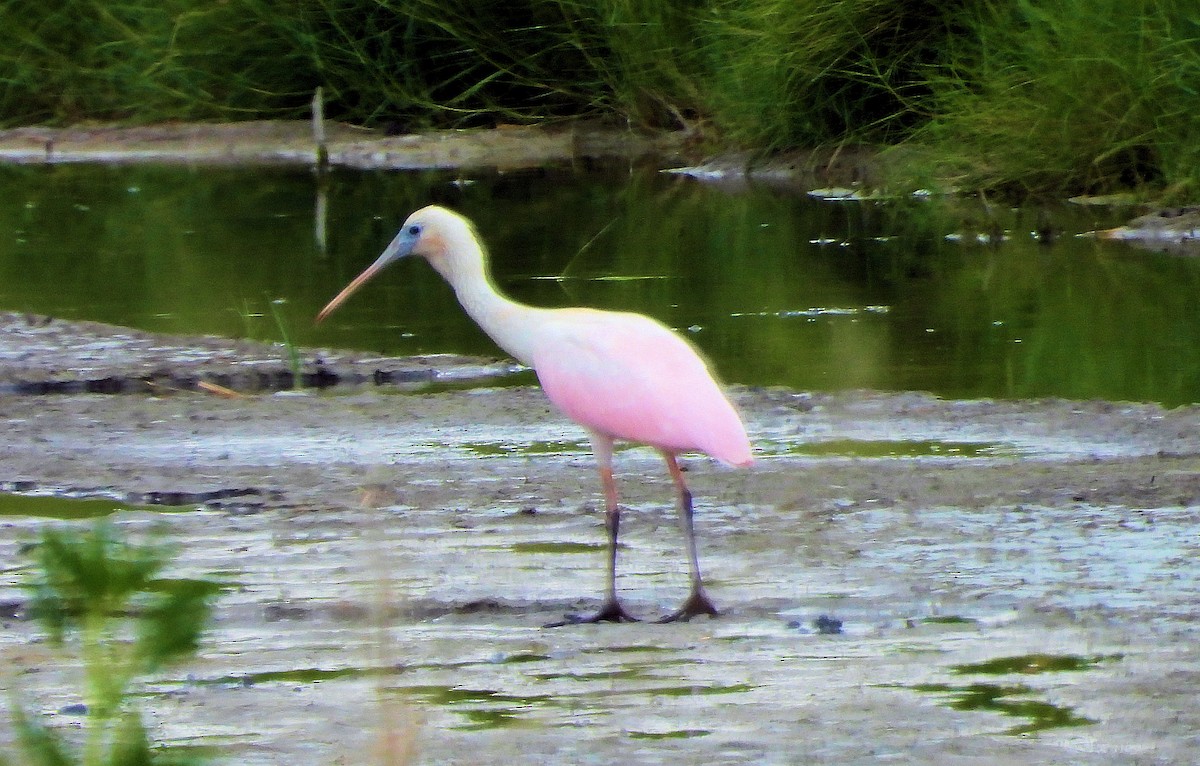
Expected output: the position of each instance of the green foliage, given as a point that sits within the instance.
(644, 58)
(87, 588)
(1063, 95)
(293, 351)
(788, 73)
(145, 61)
(1041, 95)
(84, 578)
(41, 746)
(131, 747)
(764, 70)
(251, 329)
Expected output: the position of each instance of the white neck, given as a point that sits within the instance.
(510, 324)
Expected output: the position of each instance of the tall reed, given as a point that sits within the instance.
(1067, 95)
(804, 72)
(143, 61)
(1041, 95)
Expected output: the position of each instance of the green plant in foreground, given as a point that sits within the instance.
(249, 318)
(293, 352)
(250, 321)
(101, 596)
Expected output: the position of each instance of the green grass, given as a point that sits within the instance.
(295, 364)
(145, 61)
(787, 73)
(251, 321)
(1022, 95)
(1062, 96)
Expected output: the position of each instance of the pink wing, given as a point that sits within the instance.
(631, 378)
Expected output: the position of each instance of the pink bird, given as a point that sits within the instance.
(619, 375)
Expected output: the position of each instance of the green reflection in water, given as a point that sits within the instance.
(560, 547)
(482, 708)
(776, 288)
(501, 449)
(623, 674)
(1031, 664)
(883, 448)
(949, 619)
(674, 734)
(636, 649)
(298, 676)
(1012, 699)
(998, 698)
(66, 508)
(695, 690)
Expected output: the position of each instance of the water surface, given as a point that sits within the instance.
(777, 288)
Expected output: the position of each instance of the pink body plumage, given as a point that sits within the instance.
(628, 377)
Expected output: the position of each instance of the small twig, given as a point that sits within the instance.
(562, 275)
(219, 390)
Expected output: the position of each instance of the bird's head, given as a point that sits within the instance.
(434, 233)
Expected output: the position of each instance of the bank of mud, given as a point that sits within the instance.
(579, 144)
(293, 142)
(391, 552)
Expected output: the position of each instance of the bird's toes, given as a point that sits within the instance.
(568, 619)
(611, 611)
(697, 604)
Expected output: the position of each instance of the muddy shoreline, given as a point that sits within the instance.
(392, 551)
(293, 142)
(581, 145)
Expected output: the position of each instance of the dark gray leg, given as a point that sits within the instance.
(611, 610)
(697, 601)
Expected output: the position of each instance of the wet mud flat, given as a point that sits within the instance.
(905, 579)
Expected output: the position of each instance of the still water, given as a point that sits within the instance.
(777, 288)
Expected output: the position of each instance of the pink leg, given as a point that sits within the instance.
(611, 610)
(697, 601)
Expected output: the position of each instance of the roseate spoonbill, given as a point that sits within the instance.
(619, 375)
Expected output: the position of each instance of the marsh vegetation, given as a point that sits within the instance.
(1042, 96)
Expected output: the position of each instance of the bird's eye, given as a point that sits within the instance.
(414, 230)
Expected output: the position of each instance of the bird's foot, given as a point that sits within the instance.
(610, 611)
(698, 603)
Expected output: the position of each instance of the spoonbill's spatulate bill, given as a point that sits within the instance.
(619, 375)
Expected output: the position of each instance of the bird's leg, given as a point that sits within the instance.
(697, 601)
(611, 610)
